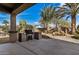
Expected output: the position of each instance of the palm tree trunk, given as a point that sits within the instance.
(66, 30)
(73, 24)
(57, 27)
(45, 26)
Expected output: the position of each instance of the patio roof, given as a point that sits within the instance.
(14, 7)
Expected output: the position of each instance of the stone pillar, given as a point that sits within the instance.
(13, 32)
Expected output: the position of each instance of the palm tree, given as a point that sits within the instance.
(22, 25)
(70, 9)
(65, 24)
(43, 23)
(46, 15)
(49, 14)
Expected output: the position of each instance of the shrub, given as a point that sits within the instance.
(59, 33)
(76, 36)
(77, 30)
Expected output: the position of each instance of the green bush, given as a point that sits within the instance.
(77, 31)
(76, 36)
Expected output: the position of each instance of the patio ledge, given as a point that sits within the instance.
(63, 38)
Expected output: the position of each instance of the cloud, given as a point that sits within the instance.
(77, 14)
(61, 4)
(36, 23)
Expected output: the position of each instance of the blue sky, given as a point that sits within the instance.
(4, 16)
(31, 15)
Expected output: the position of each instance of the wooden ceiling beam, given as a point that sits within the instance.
(22, 7)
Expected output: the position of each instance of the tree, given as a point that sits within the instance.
(29, 27)
(46, 15)
(70, 9)
(5, 26)
(49, 14)
(43, 23)
(5, 22)
(65, 24)
(77, 29)
(22, 25)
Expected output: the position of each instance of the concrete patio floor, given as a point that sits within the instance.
(40, 47)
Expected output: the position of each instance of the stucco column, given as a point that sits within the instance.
(13, 33)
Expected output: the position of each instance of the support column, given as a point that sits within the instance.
(13, 32)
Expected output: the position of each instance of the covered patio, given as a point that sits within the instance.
(44, 46)
(40, 47)
(13, 9)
